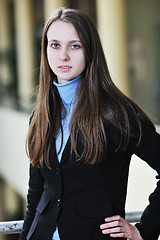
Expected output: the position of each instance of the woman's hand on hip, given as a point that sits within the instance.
(118, 227)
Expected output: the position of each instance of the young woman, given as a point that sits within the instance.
(82, 135)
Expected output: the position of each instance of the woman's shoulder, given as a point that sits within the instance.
(127, 123)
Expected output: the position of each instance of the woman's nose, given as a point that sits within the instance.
(64, 56)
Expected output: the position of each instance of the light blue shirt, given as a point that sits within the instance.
(67, 93)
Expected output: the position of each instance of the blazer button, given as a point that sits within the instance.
(58, 171)
(58, 202)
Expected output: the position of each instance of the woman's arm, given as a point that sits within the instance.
(149, 226)
(149, 151)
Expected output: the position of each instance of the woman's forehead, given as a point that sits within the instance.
(61, 29)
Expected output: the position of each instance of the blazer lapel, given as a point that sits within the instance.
(67, 151)
(53, 155)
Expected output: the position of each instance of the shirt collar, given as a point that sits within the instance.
(68, 89)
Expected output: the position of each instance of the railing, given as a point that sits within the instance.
(11, 227)
(14, 227)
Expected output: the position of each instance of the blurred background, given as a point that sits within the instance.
(130, 35)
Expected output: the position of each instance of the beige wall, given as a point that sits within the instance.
(50, 6)
(13, 160)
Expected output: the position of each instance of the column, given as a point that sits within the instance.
(25, 49)
(50, 6)
(5, 43)
(112, 30)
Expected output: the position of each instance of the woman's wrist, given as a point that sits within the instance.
(139, 237)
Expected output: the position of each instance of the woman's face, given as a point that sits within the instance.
(65, 52)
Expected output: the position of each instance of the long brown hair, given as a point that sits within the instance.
(99, 101)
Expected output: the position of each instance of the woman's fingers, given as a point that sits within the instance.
(111, 222)
(113, 225)
(118, 227)
(113, 230)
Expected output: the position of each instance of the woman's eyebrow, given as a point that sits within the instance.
(75, 41)
(72, 41)
(52, 40)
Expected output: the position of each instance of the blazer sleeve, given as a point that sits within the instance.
(149, 151)
(36, 187)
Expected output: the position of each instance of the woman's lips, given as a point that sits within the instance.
(64, 68)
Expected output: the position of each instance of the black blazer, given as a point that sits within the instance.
(77, 196)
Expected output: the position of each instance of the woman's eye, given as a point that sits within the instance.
(55, 45)
(75, 46)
